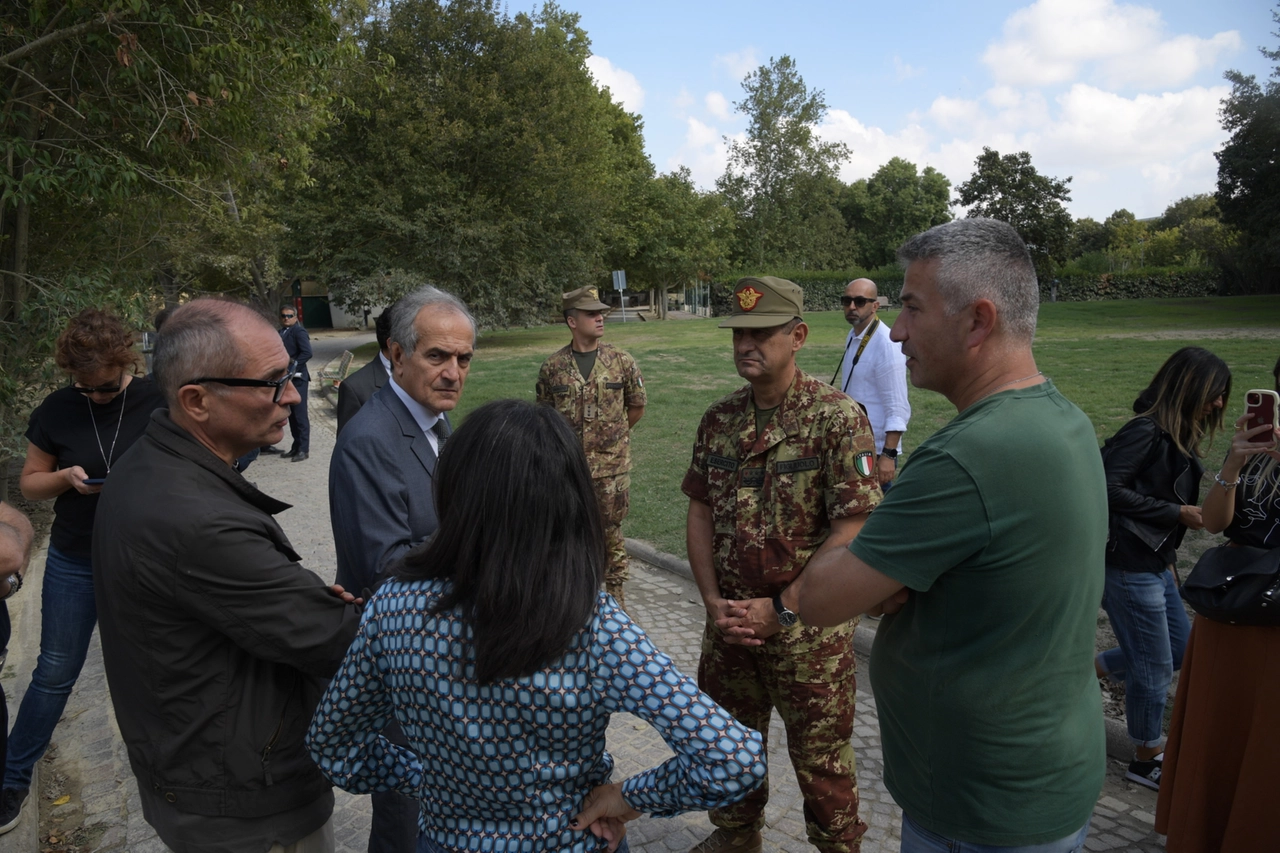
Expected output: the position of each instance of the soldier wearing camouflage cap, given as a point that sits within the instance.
(782, 469)
(599, 390)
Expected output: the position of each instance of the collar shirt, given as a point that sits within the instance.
(386, 362)
(879, 382)
(422, 416)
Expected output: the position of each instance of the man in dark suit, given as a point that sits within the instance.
(380, 478)
(356, 389)
(297, 343)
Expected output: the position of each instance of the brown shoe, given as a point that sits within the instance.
(728, 841)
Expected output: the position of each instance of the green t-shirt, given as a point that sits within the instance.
(989, 708)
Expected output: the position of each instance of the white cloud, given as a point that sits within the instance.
(903, 71)
(1058, 41)
(683, 100)
(704, 151)
(740, 63)
(623, 85)
(718, 105)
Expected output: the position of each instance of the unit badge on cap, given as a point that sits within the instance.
(748, 297)
(593, 293)
(863, 462)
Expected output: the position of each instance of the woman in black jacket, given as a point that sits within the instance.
(1153, 491)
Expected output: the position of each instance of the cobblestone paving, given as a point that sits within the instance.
(106, 810)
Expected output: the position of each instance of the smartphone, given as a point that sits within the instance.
(94, 481)
(1262, 407)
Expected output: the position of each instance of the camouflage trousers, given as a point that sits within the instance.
(812, 686)
(614, 496)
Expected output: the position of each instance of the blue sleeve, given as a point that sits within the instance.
(717, 760)
(345, 738)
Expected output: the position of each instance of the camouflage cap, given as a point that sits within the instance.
(584, 299)
(760, 303)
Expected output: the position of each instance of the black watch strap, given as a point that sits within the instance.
(891, 452)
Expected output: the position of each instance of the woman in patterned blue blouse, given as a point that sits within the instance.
(502, 659)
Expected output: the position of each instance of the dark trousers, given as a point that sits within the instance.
(300, 420)
(395, 816)
(4, 703)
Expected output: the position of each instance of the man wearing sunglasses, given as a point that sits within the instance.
(874, 373)
(297, 343)
(216, 641)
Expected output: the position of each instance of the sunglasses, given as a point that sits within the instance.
(286, 316)
(101, 389)
(859, 301)
(237, 382)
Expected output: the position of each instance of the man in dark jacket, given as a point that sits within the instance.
(357, 388)
(217, 642)
(297, 343)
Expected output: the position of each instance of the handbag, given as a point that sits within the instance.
(1236, 584)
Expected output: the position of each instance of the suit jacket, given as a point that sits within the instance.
(356, 389)
(298, 344)
(380, 490)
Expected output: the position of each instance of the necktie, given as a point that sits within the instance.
(441, 430)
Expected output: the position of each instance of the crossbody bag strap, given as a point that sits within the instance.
(866, 338)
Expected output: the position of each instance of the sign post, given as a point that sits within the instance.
(620, 285)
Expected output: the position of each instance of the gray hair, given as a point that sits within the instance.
(199, 339)
(981, 258)
(406, 309)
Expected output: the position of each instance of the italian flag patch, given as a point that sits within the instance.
(864, 462)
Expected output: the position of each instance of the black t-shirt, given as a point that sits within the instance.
(62, 427)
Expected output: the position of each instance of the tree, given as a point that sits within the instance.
(892, 205)
(111, 106)
(683, 235)
(486, 161)
(1182, 211)
(1249, 172)
(1087, 235)
(1010, 188)
(780, 180)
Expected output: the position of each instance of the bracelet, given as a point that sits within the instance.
(1217, 478)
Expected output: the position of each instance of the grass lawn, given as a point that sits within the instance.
(1100, 354)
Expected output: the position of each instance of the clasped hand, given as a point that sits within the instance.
(746, 623)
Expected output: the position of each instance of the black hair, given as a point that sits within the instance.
(520, 536)
(1185, 384)
(382, 329)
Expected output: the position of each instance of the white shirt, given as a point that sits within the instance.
(386, 362)
(422, 416)
(879, 382)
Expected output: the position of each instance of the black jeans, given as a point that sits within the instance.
(300, 420)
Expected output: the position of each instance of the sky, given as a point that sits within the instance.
(1121, 97)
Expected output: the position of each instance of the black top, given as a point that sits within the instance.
(1257, 516)
(62, 427)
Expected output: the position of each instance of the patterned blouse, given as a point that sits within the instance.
(505, 766)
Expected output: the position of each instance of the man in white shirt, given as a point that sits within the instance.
(380, 478)
(874, 373)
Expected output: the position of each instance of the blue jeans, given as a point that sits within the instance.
(68, 615)
(1151, 627)
(426, 845)
(917, 839)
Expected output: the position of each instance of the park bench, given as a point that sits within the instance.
(330, 377)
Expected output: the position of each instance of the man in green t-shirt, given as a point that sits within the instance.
(987, 557)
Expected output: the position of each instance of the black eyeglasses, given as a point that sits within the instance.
(237, 382)
(859, 301)
(101, 389)
(286, 316)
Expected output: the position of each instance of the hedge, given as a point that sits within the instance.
(822, 290)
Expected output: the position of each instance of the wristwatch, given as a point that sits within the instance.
(891, 452)
(786, 618)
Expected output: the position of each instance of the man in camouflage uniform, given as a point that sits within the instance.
(782, 469)
(599, 390)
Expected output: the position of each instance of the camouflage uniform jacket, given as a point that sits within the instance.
(597, 406)
(773, 496)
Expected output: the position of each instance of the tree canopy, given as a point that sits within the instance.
(1010, 188)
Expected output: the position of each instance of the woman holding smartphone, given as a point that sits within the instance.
(1218, 791)
(74, 437)
(1153, 493)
